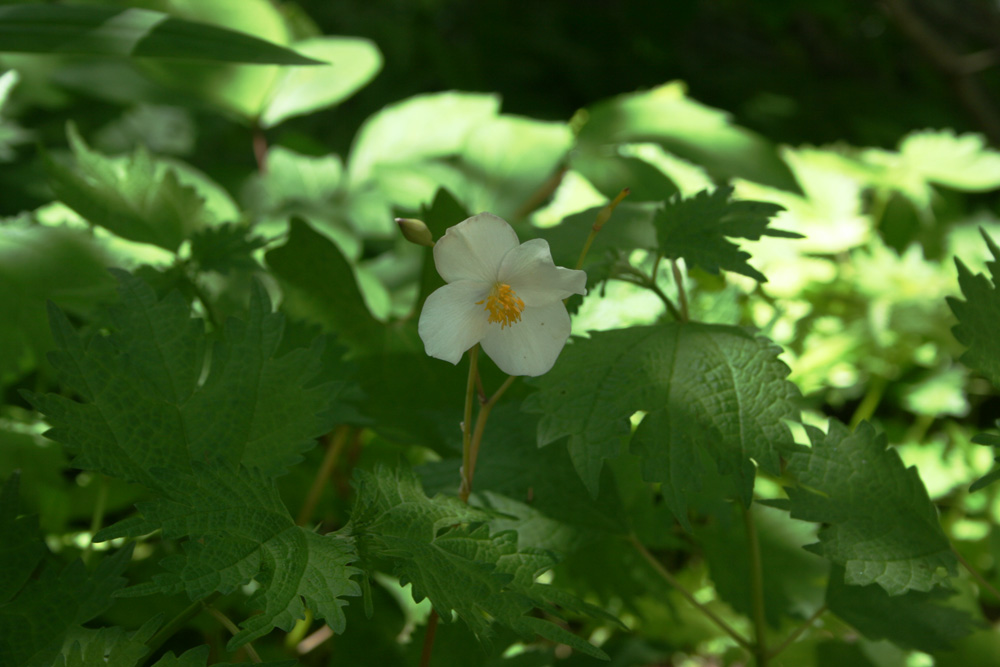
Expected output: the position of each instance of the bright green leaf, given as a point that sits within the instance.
(879, 523)
(109, 31)
(353, 62)
(979, 316)
(140, 200)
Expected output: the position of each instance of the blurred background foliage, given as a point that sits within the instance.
(874, 124)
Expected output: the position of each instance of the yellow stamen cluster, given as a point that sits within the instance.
(503, 305)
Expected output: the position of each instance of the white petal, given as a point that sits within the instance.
(531, 346)
(451, 321)
(474, 248)
(535, 278)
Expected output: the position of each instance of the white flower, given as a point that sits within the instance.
(506, 295)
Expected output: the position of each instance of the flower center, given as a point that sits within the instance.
(503, 305)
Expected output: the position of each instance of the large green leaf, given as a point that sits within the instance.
(353, 62)
(144, 405)
(712, 393)
(104, 31)
(879, 523)
(979, 316)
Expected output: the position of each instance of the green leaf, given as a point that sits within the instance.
(320, 286)
(22, 547)
(353, 62)
(696, 228)
(692, 131)
(139, 199)
(110, 646)
(979, 316)
(34, 622)
(142, 384)
(39, 264)
(225, 248)
(879, 523)
(441, 547)
(711, 392)
(444, 119)
(915, 620)
(793, 578)
(990, 440)
(238, 529)
(131, 32)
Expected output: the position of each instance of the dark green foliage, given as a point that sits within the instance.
(710, 393)
(696, 229)
(879, 524)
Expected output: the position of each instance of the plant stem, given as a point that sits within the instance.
(681, 295)
(178, 622)
(798, 631)
(100, 505)
(975, 575)
(757, 591)
(432, 624)
(470, 391)
(642, 280)
(872, 397)
(229, 625)
(334, 447)
(602, 217)
(670, 579)
(477, 436)
(260, 148)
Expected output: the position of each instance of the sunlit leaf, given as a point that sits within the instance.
(95, 30)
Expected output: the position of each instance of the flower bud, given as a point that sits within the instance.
(415, 231)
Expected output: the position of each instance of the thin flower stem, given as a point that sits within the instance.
(975, 575)
(670, 579)
(681, 294)
(798, 631)
(199, 294)
(870, 401)
(602, 217)
(177, 622)
(229, 625)
(470, 392)
(425, 653)
(639, 278)
(97, 519)
(334, 448)
(477, 436)
(757, 591)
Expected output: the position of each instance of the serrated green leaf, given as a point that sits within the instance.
(110, 646)
(145, 407)
(238, 529)
(696, 229)
(979, 316)
(110, 31)
(915, 620)
(139, 199)
(880, 524)
(444, 550)
(990, 440)
(225, 248)
(711, 392)
(33, 624)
